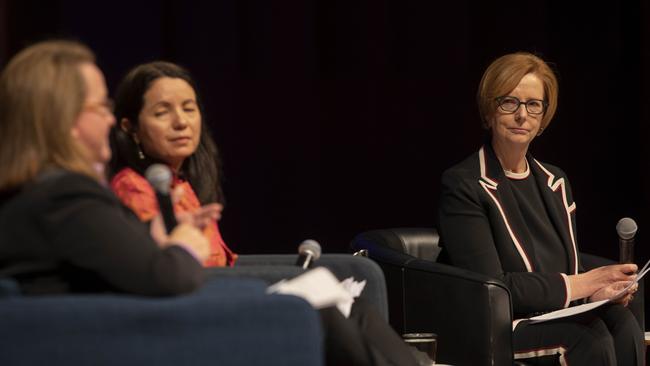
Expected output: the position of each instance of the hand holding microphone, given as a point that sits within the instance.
(184, 234)
(190, 238)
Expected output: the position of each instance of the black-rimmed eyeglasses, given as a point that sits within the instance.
(510, 104)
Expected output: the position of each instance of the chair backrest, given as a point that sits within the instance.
(420, 243)
(227, 322)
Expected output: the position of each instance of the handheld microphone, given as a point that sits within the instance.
(309, 251)
(626, 229)
(160, 178)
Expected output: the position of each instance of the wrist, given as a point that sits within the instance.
(581, 286)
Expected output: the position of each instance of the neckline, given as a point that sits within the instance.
(518, 176)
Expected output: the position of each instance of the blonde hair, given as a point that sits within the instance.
(42, 92)
(505, 73)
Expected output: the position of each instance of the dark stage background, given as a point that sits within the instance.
(338, 116)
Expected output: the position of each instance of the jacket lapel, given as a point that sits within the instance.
(496, 185)
(553, 190)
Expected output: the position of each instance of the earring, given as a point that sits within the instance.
(140, 153)
(541, 129)
(137, 145)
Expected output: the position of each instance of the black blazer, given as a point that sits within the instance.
(483, 230)
(67, 233)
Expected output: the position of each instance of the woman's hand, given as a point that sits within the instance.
(588, 283)
(157, 230)
(201, 217)
(190, 238)
(184, 234)
(614, 289)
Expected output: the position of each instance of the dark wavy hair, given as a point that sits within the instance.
(202, 169)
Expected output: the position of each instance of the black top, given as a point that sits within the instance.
(544, 238)
(67, 233)
(483, 228)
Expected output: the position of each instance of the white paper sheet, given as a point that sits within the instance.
(321, 289)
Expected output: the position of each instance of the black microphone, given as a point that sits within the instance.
(626, 229)
(160, 178)
(309, 251)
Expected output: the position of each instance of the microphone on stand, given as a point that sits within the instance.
(309, 251)
(626, 229)
(160, 178)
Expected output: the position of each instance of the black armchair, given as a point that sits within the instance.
(471, 313)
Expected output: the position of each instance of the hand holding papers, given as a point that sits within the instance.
(321, 289)
(640, 275)
(574, 310)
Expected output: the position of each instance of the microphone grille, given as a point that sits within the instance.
(310, 245)
(160, 177)
(626, 228)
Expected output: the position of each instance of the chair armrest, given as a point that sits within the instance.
(229, 322)
(470, 312)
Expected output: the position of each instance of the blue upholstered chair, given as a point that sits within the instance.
(228, 322)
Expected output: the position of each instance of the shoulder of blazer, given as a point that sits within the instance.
(466, 169)
(62, 184)
(481, 167)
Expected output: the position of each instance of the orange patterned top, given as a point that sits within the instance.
(137, 194)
